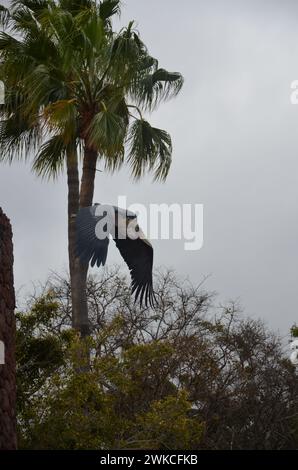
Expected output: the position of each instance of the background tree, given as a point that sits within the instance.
(74, 86)
(8, 435)
(191, 375)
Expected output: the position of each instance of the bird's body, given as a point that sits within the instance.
(95, 226)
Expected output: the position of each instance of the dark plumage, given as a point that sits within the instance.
(95, 224)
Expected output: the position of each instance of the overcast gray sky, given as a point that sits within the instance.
(235, 136)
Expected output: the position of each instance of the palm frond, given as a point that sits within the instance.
(126, 52)
(17, 138)
(34, 5)
(107, 133)
(43, 86)
(4, 16)
(61, 117)
(147, 64)
(9, 44)
(149, 149)
(49, 161)
(109, 8)
(155, 87)
(75, 6)
(91, 32)
(24, 21)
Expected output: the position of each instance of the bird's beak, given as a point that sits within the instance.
(134, 231)
(147, 242)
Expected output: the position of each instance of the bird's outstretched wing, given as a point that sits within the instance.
(138, 255)
(88, 246)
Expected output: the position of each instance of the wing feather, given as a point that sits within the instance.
(89, 248)
(138, 255)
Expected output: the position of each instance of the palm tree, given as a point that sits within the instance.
(8, 438)
(75, 88)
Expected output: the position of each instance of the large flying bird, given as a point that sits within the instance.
(96, 224)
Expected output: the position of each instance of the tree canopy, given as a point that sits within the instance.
(71, 80)
(188, 375)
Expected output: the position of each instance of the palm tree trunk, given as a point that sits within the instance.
(8, 439)
(78, 271)
(78, 290)
(88, 177)
(79, 198)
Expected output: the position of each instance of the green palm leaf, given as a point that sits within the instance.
(50, 159)
(9, 44)
(126, 53)
(61, 117)
(34, 5)
(107, 133)
(155, 87)
(149, 149)
(17, 138)
(4, 16)
(109, 8)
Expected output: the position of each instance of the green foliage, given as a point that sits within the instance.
(294, 331)
(178, 377)
(168, 426)
(51, 157)
(115, 403)
(78, 79)
(149, 148)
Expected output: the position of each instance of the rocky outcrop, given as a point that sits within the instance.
(7, 337)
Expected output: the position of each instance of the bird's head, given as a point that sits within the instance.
(123, 215)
